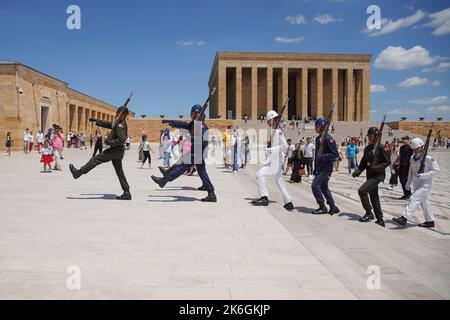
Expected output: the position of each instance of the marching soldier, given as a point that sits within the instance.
(192, 157)
(114, 153)
(323, 169)
(422, 186)
(274, 166)
(376, 173)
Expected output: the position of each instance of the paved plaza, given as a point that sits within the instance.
(166, 244)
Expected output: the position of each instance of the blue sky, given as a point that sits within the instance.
(163, 50)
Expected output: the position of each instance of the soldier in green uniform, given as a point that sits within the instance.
(376, 173)
(114, 153)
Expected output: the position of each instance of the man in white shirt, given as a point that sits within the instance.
(289, 152)
(310, 150)
(40, 140)
(26, 139)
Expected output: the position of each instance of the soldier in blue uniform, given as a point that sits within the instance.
(194, 157)
(323, 169)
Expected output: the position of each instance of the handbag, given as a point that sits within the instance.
(301, 172)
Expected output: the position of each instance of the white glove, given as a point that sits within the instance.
(392, 171)
(421, 176)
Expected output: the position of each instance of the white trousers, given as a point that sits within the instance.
(275, 170)
(419, 198)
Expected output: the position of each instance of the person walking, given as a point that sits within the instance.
(403, 162)
(422, 183)
(351, 152)
(40, 140)
(323, 169)
(98, 142)
(274, 165)
(8, 143)
(298, 162)
(146, 149)
(375, 161)
(26, 139)
(310, 150)
(57, 144)
(91, 140)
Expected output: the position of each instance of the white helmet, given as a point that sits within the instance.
(271, 115)
(416, 143)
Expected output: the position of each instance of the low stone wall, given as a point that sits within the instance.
(151, 127)
(421, 127)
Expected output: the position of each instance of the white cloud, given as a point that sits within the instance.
(441, 67)
(392, 101)
(403, 112)
(388, 26)
(430, 101)
(440, 21)
(288, 40)
(326, 19)
(185, 43)
(439, 109)
(418, 81)
(298, 19)
(399, 58)
(375, 88)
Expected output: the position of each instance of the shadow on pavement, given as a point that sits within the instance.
(94, 197)
(351, 216)
(172, 199)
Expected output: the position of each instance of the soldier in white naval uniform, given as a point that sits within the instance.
(273, 166)
(422, 183)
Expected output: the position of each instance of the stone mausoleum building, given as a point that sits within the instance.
(253, 83)
(32, 99)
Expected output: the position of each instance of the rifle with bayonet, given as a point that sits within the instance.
(425, 150)
(277, 120)
(325, 129)
(376, 152)
(119, 118)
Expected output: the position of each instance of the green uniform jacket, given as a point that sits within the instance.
(120, 135)
(379, 171)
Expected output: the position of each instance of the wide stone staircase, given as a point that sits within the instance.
(342, 129)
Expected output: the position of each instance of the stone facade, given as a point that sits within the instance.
(422, 127)
(34, 100)
(253, 83)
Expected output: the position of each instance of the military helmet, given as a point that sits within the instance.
(373, 130)
(196, 108)
(416, 143)
(271, 115)
(321, 122)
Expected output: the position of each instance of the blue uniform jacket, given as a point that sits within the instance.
(189, 126)
(324, 161)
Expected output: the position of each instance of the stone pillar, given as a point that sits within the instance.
(304, 92)
(365, 114)
(238, 93)
(358, 95)
(82, 119)
(75, 119)
(319, 89)
(284, 90)
(269, 88)
(222, 92)
(334, 93)
(298, 92)
(254, 85)
(350, 93)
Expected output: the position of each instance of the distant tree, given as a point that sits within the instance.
(403, 118)
(181, 116)
(162, 116)
(143, 116)
(422, 118)
(439, 119)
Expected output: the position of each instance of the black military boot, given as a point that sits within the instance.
(401, 221)
(160, 181)
(75, 172)
(322, 210)
(125, 196)
(380, 222)
(289, 206)
(202, 188)
(367, 218)
(333, 210)
(163, 171)
(428, 224)
(261, 202)
(210, 198)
